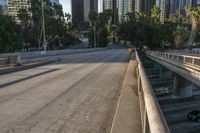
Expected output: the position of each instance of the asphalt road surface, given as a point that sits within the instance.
(76, 95)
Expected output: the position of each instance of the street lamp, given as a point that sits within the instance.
(43, 28)
(95, 44)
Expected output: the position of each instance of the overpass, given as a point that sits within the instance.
(174, 83)
(80, 92)
(184, 66)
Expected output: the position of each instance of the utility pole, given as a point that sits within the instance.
(95, 44)
(43, 28)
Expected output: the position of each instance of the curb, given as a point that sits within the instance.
(121, 94)
(24, 67)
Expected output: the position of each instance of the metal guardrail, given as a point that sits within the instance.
(195, 52)
(188, 62)
(153, 120)
(6, 59)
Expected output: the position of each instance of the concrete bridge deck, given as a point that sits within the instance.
(162, 69)
(77, 94)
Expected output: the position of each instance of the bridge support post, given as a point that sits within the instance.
(182, 87)
(164, 73)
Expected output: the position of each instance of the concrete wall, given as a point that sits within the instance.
(36, 54)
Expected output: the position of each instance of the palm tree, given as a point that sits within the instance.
(195, 20)
(93, 17)
(155, 11)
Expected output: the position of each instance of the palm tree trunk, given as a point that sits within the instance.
(193, 32)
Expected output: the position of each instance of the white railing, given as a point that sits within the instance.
(195, 52)
(153, 120)
(9, 59)
(178, 59)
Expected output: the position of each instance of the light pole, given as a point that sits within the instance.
(43, 28)
(95, 44)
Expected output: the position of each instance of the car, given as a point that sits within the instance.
(161, 91)
(194, 115)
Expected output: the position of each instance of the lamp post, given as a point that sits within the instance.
(95, 44)
(43, 28)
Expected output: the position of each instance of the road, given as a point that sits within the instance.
(79, 94)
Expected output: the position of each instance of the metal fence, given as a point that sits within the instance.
(153, 120)
(10, 59)
(195, 52)
(178, 59)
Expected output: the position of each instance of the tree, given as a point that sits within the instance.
(53, 17)
(9, 35)
(25, 27)
(93, 17)
(155, 11)
(195, 19)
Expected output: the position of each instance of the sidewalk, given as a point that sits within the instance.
(127, 118)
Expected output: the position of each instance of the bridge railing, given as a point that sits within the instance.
(153, 120)
(195, 52)
(177, 59)
(9, 59)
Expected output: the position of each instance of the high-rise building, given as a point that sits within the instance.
(119, 8)
(89, 5)
(14, 6)
(182, 5)
(122, 6)
(100, 5)
(81, 9)
(107, 4)
(164, 9)
(77, 10)
(131, 6)
(86, 9)
(138, 6)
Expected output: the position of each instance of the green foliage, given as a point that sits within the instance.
(155, 11)
(9, 35)
(141, 31)
(57, 29)
(196, 13)
(103, 27)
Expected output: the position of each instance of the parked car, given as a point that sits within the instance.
(194, 115)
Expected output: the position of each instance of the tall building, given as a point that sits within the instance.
(14, 6)
(100, 7)
(138, 5)
(122, 6)
(164, 9)
(86, 9)
(81, 9)
(174, 6)
(77, 10)
(182, 5)
(107, 4)
(131, 6)
(119, 8)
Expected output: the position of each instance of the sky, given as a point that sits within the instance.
(66, 5)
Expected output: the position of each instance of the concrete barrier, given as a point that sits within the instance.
(153, 120)
(9, 59)
(36, 54)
